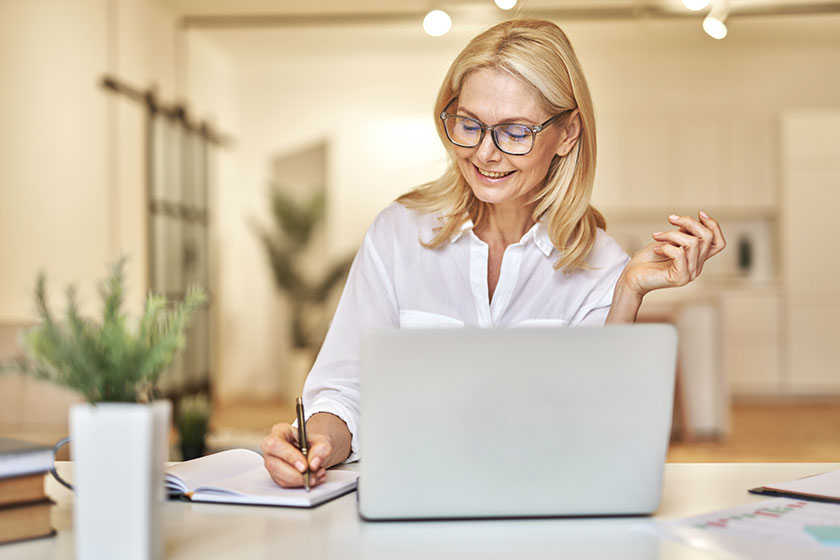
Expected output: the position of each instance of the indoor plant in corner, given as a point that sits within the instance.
(119, 438)
(286, 243)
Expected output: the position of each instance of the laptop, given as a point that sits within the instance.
(523, 422)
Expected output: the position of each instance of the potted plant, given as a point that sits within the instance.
(191, 420)
(286, 244)
(119, 438)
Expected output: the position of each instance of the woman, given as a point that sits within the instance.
(505, 237)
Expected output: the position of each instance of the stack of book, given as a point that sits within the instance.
(24, 507)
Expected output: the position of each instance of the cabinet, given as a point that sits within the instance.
(752, 349)
(686, 162)
(810, 166)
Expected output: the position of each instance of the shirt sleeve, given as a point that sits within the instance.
(368, 301)
(609, 262)
(596, 317)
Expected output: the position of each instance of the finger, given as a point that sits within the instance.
(316, 478)
(678, 272)
(284, 450)
(314, 481)
(694, 227)
(285, 432)
(282, 473)
(690, 243)
(318, 453)
(718, 241)
(699, 230)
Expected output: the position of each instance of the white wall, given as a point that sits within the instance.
(71, 171)
(54, 191)
(356, 85)
(72, 155)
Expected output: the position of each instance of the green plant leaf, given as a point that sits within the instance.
(106, 360)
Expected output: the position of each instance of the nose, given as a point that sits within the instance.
(487, 150)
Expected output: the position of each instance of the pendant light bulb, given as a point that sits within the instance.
(715, 23)
(437, 23)
(505, 4)
(695, 5)
(714, 28)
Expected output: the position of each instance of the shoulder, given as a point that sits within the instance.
(606, 253)
(398, 221)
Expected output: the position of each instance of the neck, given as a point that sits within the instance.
(504, 224)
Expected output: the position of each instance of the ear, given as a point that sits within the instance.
(569, 133)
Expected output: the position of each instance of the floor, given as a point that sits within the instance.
(770, 432)
(760, 432)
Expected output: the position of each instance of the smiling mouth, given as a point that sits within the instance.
(493, 174)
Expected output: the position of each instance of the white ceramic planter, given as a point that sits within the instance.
(119, 451)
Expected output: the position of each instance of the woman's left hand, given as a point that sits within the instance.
(675, 258)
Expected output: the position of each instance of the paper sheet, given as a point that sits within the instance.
(825, 484)
(777, 528)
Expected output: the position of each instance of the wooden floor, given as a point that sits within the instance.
(760, 432)
(770, 432)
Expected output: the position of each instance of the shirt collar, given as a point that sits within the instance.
(468, 224)
(538, 233)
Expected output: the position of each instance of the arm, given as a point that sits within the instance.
(331, 392)
(675, 258)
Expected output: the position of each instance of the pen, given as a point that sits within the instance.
(304, 447)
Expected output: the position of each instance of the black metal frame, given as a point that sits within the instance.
(186, 214)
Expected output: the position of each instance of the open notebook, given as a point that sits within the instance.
(237, 476)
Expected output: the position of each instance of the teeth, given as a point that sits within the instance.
(494, 174)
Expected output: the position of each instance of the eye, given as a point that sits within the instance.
(516, 133)
(470, 127)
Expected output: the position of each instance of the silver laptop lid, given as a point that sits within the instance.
(515, 422)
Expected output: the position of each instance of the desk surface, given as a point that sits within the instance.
(333, 530)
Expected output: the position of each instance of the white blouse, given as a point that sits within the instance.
(396, 282)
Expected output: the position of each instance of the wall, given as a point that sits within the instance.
(71, 162)
(72, 167)
(368, 91)
(55, 197)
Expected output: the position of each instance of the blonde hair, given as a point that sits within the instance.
(538, 53)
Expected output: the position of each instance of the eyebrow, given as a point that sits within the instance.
(508, 120)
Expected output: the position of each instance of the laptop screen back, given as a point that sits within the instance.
(515, 422)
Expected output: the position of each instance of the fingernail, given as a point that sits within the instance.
(673, 217)
(315, 463)
(300, 466)
(658, 233)
(703, 214)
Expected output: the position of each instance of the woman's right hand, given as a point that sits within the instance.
(284, 461)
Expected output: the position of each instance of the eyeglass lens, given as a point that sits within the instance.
(510, 138)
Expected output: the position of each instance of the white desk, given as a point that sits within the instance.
(333, 530)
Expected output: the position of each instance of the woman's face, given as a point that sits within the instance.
(493, 97)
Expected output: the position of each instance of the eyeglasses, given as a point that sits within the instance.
(511, 138)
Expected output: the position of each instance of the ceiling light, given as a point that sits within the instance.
(437, 23)
(695, 5)
(505, 4)
(715, 23)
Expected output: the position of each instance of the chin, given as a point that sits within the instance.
(489, 197)
(490, 194)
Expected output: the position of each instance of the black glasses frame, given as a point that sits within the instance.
(492, 128)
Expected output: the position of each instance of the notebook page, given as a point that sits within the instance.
(825, 484)
(218, 466)
(256, 487)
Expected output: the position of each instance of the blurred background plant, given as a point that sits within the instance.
(192, 419)
(286, 242)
